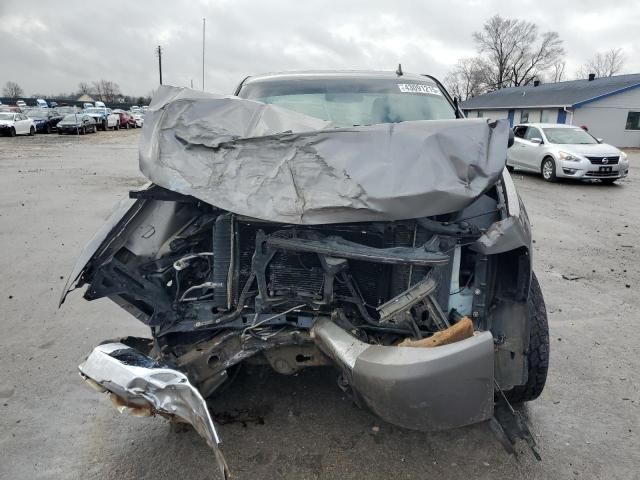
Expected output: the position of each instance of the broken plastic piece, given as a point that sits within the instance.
(140, 385)
(456, 332)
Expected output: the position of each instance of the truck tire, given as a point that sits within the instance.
(538, 352)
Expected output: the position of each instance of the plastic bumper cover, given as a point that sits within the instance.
(418, 388)
(585, 170)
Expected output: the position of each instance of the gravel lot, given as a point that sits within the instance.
(56, 191)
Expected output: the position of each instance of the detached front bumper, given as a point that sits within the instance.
(138, 384)
(418, 388)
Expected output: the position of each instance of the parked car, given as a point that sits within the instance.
(78, 123)
(100, 104)
(12, 124)
(104, 117)
(139, 118)
(42, 103)
(126, 119)
(45, 119)
(565, 151)
(394, 247)
(10, 108)
(21, 104)
(87, 105)
(67, 110)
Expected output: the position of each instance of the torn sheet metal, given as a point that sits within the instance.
(274, 164)
(140, 385)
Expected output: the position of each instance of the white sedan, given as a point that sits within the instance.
(13, 124)
(138, 117)
(565, 151)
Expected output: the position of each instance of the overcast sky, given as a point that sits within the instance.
(49, 46)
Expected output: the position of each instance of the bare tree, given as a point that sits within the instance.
(558, 71)
(604, 64)
(106, 90)
(12, 90)
(533, 60)
(515, 52)
(467, 79)
(84, 88)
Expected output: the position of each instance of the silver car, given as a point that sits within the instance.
(565, 151)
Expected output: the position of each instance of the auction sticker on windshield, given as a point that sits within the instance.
(419, 88)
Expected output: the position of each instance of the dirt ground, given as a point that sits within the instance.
(56, 191)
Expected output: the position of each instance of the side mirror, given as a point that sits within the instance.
(599, 140)
(511, 139)
(536, 140)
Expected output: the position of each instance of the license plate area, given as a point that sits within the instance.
(605, 169)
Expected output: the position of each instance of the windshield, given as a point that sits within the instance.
(6, 116)
(94, 110)
(37, 112)
(569, 136)
(64, 110)
(354, 101)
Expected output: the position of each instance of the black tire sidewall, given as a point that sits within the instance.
(538, 348)
(553, 164)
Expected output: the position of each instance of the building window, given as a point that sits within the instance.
(633, 121)
(524, 116)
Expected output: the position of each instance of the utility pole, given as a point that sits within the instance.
(204, 24)
(159, 53)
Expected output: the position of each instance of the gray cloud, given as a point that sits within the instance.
(50, 46)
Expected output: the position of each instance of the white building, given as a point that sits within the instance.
(609, 107)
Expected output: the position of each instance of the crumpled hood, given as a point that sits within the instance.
(275, 164)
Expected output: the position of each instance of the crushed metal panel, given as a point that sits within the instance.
(274, 164)
(141, 385)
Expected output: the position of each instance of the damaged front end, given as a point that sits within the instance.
(422, 310)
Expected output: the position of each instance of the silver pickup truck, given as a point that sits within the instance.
(345, 219)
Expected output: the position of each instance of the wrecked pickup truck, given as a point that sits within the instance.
(353, 219)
